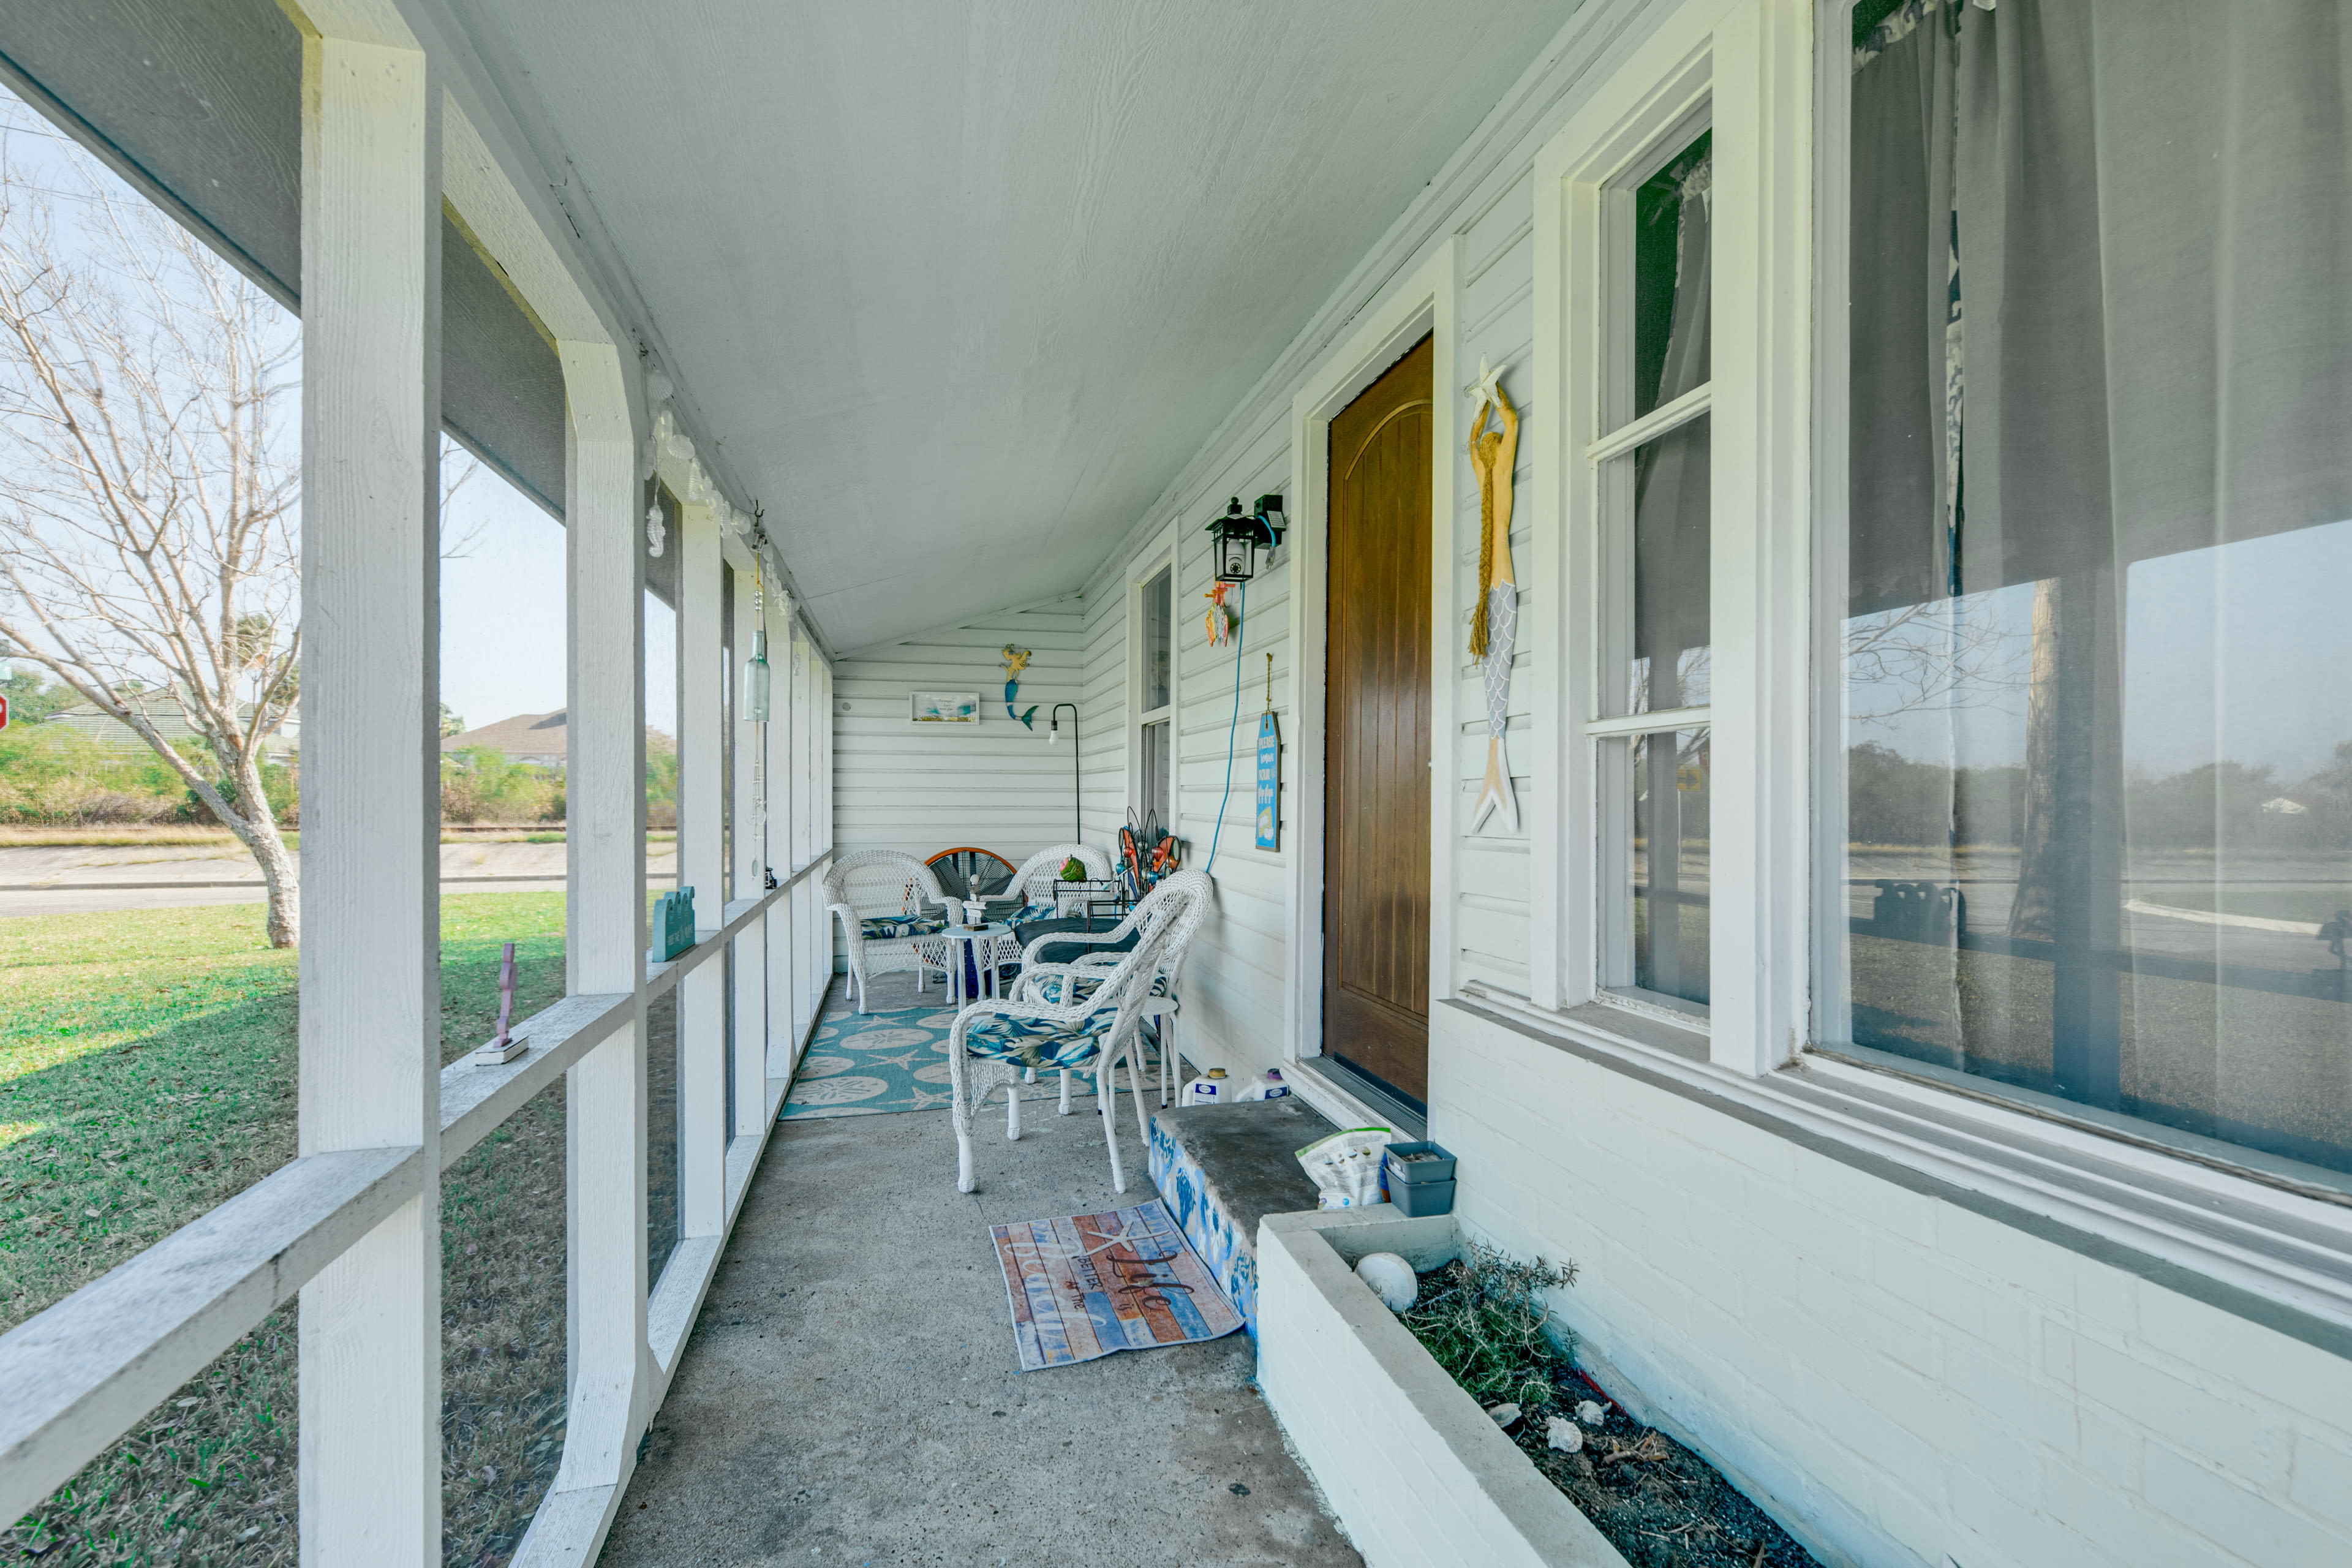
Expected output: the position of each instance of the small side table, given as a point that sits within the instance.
(964, 982)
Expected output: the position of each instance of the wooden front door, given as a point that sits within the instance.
(1376, 756)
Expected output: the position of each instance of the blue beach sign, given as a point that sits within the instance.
(1269, 785)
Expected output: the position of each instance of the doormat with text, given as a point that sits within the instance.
(1094, 1283)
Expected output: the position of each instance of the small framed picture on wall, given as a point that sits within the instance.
(944, 707)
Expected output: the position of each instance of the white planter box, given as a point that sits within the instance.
(1416, 1472)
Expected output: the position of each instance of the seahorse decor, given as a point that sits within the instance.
(1017, 659)
(1495, 618)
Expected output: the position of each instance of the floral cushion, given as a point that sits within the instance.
(1036, 1043)
(890, 928)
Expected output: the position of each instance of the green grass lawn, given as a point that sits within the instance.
(147, 1073)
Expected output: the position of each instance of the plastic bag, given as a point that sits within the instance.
(1346, 1167)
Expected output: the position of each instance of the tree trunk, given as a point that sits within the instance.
(256, 827)
(2070, 863)
(2034, 913)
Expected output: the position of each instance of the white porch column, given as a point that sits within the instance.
(370, 1341)
(786, 932)
(748, 966)
(604, 923)
(702, 865)
(813, 956)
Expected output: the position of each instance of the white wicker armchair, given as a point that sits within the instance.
(1075, 1020)
(1034, 893)
(1159, 1003)
(887, 901)
(1037, 885)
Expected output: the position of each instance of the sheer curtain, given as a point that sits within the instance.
(2101, 325)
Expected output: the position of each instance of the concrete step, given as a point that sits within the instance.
(1223, 1168)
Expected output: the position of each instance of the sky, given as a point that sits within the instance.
(502, 622)
(502, 605)
(2239, 652)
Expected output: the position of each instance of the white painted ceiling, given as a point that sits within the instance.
(958, 288)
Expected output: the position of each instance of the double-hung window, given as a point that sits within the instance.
(1649, 734)
(1155, 702)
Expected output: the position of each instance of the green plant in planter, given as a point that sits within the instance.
(1484, 1325)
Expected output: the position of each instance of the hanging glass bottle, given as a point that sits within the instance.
(755, 680)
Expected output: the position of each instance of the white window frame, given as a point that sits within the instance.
(1742, 68)
(2278, 1231)
(1603, 475)
(1158, 556)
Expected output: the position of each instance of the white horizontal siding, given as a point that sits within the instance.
(1234, 983)
(923, 788)
(1495, 313)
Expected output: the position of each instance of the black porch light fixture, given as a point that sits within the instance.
(1238, 536)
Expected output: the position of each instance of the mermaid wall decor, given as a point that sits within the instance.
(1495, 616)
(1017, 659)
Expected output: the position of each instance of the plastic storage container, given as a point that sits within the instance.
(1437, 1167)
(1422, 1186)
(1417, 1198)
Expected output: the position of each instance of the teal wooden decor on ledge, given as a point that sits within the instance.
(673, 925)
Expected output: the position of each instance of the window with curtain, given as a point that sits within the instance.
(1154, 803)
(1651, 737)
(2097, 791)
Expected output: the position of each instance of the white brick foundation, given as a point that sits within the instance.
(1897, 1375)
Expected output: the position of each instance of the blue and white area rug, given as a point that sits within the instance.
(871, 1063)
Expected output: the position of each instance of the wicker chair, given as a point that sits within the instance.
(1031, 894)
(887, 901)
(1073, 1019)
(1159, 1003)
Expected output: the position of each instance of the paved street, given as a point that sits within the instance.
(85, 879)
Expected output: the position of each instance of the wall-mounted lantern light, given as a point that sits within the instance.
(1238, 536)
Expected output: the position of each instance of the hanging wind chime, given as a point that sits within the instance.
(1495, 618)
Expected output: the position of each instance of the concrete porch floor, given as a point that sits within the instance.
(850, 1393)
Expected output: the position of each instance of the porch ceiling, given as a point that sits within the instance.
(958, 288)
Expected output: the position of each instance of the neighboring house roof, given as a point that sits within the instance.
(169, 721)
(541, 738)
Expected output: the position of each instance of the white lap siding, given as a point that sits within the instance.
(925, 788)
(1495, 315)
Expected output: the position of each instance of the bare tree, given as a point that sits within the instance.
(1943, 654)
(149, 473)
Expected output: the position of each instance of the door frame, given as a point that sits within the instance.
(1421, 304)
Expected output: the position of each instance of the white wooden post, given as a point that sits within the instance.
(816, 954)
(786, 930)
(749, 967)
(604, 929)
(370, 1341)
(701, 865)
(823, 827)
